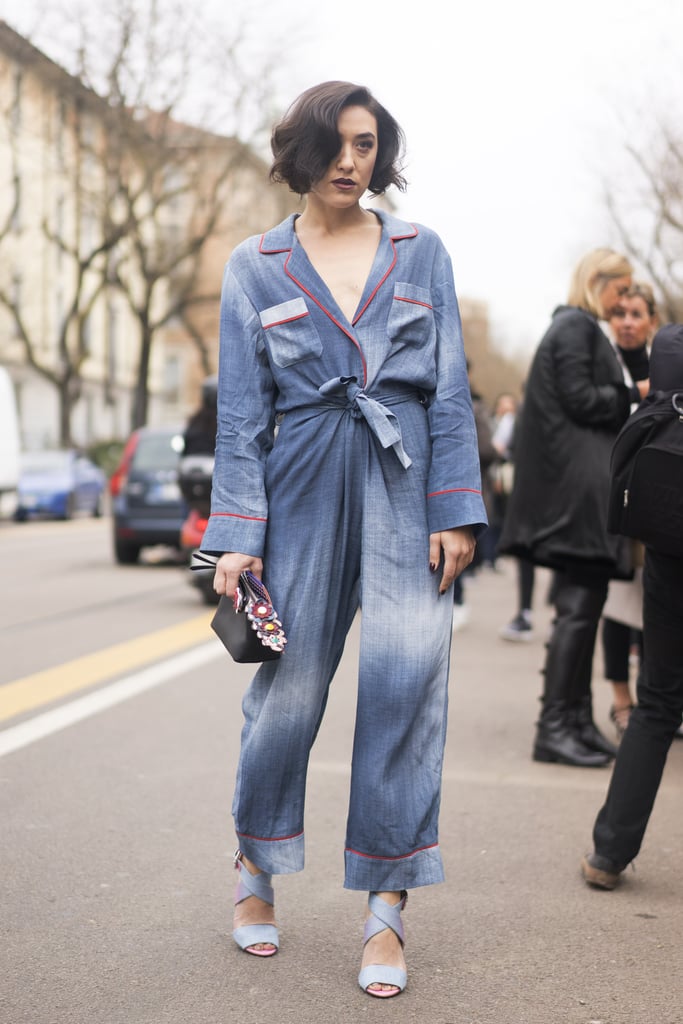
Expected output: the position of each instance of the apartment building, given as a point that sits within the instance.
(93, 204)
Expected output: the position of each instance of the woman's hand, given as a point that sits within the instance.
(458, 551)
(228, 569)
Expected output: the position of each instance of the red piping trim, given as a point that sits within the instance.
(286, 248)
(403, 856)
(334, 320)
(236, 515)
(278, 839)
(415, 302)
(287, 320)
(379, 284)
(454, 490)
(327, 313)
(414, 233)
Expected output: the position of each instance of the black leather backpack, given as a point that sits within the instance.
(646, 475)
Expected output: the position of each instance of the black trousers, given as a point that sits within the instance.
(578, 596)
(526, 575)
(617, 638)
(620, 825)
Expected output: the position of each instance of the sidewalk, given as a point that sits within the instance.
(515, 936)
(530, 942)
(116, 857)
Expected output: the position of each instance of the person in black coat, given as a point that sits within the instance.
(200, 432)
(633, 329)
(620, 826)
(575, 403)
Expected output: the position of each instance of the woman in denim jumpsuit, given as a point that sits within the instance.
(347, 473)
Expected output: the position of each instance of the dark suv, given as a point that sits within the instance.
(147, 505)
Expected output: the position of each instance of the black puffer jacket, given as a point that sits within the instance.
(575, 401)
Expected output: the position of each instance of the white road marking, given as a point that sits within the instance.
(49, 722)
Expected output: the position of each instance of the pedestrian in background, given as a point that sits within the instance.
(520, 628)
(484, 554)
(621, 823)
(632, 327)
(199, 436)
(489, 457)
(341, 326)
(502, 469)
(575, 402)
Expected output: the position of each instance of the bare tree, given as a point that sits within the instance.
(159, 184)
(647, 211)
(175, 184)
(86, 257)
(177, 188)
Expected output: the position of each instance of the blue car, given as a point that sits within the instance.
(59, 484)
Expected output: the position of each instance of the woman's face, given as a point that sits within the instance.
(349, 174)
(505, 404)
(632, 324)
(612, 295)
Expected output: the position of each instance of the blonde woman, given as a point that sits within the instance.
(575, 401)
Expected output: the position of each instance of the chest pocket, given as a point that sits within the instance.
(411, 318)
(291, 335)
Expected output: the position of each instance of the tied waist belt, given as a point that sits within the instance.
(382, 422)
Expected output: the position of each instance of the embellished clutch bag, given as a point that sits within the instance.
(247, 624)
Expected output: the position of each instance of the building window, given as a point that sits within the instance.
(59, 232)
(86, 334)
(17, 84)
(17, 289)
(172, 379)
(59, 311)
(61, 130)
(15, 222)
(111, 342)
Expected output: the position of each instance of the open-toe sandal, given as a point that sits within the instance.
(383, 915)
(620, 717)
(251, 935)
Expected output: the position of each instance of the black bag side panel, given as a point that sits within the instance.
(635, 433)
(654, 512)
(646, 477)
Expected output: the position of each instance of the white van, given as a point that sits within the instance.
(9, 445)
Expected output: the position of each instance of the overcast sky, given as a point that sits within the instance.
(514, 111)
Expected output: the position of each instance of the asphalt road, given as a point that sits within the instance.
(120, 725)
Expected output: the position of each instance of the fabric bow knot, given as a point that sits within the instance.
(383, 423)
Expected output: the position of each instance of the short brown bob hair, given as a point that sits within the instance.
(306, 139)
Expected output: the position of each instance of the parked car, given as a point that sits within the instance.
(9, 445)
(147, 505)
(59, 483)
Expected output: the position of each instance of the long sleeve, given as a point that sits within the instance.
(454, 492)
(239, 505)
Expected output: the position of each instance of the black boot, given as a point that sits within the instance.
(558, 742)
(585, 729)
(567, 673)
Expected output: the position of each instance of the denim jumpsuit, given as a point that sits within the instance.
(341, 446)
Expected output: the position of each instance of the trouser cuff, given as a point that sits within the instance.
(391, 874)
(275, 856)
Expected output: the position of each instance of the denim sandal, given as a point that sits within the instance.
(383, 915)
(250, 935)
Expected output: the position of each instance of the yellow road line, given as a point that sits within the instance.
(53, 683)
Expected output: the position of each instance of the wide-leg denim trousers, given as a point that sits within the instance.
(348, 529)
